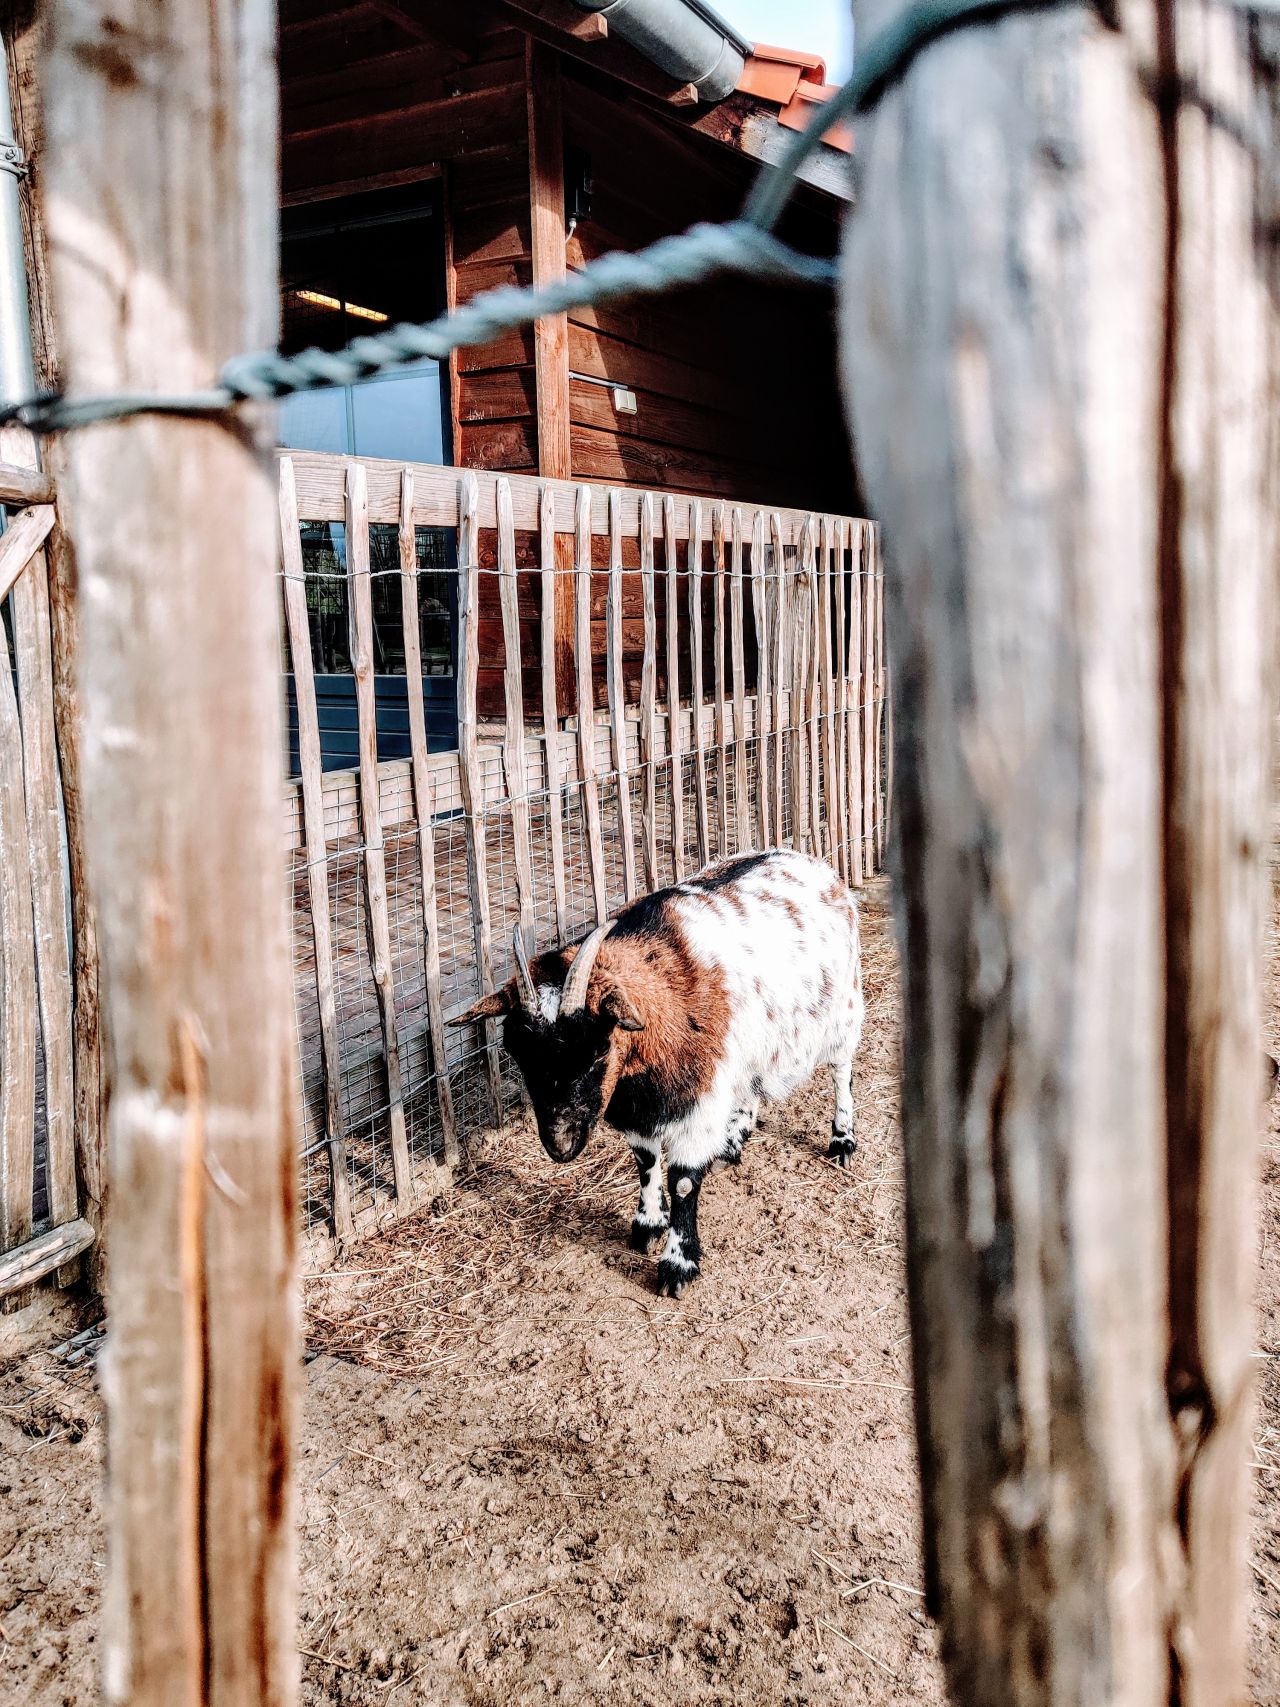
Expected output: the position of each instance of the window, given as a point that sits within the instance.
(349, 267)
(324, 561)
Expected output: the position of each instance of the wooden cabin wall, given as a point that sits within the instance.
(733, 381)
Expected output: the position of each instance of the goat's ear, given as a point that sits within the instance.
(488, 1007)
(620, 1009)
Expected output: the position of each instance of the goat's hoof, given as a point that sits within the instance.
(841, 1151)
(675, 1277)
(644, 1234)
(732, 1154)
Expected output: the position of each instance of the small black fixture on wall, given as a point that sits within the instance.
(577, 187)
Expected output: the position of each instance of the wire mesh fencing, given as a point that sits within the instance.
(638, 684)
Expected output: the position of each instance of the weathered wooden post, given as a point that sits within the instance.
(1055, 337)
(161, 205)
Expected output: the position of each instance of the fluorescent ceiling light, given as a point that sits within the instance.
(318, 300)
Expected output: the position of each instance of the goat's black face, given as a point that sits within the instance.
(565, 1066)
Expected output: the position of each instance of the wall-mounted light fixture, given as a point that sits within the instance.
(624, 399)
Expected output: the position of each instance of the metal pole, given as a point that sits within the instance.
(17, 369)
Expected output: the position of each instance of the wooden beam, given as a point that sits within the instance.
(24, 485)
(551, 335)
(750, 127)
(1070, 446)
(55, 1249)
(564, 18)
(21, 539)
(161, 199)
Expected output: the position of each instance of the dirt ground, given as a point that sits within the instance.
(524, 1478)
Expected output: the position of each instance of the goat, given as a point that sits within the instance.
(675, 1020)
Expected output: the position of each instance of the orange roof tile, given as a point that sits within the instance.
(794, 83)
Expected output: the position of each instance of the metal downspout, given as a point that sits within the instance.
(17, 368)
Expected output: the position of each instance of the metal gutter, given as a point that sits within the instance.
(17, 366)
(684, 38)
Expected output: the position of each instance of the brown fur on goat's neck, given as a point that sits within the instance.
(683, 1005)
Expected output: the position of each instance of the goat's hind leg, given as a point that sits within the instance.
(651, 1219)
(742, 1123)
(843, 1141)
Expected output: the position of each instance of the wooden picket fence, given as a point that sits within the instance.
(644, 682)
(41, 1228)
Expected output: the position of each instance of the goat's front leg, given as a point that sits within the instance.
(689, 1158)
(651, 1219)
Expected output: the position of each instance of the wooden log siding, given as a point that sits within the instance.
(561, 868)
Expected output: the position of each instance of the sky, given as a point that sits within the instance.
(816, 26)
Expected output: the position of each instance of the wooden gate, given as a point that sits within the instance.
(41, 1230)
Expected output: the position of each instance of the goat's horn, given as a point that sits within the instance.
(575, 985)
(524, 977)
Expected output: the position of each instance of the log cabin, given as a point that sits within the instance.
(430, 152)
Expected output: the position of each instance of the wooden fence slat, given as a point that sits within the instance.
(779, 579)
(424, 805)
(17, 982)
(673, 685)
(551, 647)
(830, 793)
(23, 536)
(881, 680)
(813, 705)
(33, 654)
(764, 706)
(696, 687)
(618, 698)
(737, 642)
(718, 681)
(311, 777)
(586, 704)
(648, 697)
(842, 701)
(867, 701)
(513, 728)
(470, 782)
(798, 622)
(375, 863)
(853, 692)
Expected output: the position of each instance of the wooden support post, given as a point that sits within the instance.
(671, 557)
(310, 772)
(424, 805)
(696, 686)
(618, 698)
(1081, 550)
(551, 574)
(470, 782)
(162, 217)
(586, 691)
(551, 335)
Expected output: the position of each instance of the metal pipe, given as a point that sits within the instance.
(684, 38)
(17, 367)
